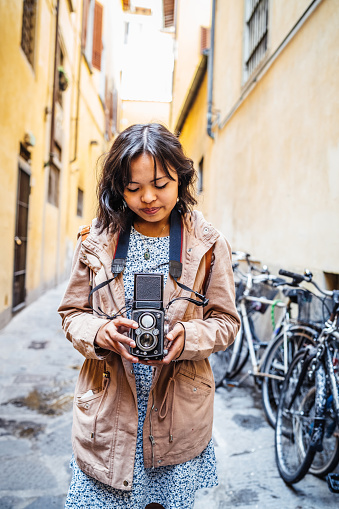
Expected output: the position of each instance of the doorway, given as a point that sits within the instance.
(20, 239)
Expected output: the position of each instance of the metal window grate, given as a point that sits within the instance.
(28, 29)
(257, 33)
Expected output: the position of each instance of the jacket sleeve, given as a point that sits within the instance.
(78, 322)
(217, 330)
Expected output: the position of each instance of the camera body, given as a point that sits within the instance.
(148, 312)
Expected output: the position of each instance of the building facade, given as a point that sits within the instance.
(59, 109)
(262, 124)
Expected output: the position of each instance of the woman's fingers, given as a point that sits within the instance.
(110, 335)
(176, 343)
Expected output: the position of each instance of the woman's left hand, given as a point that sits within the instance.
(176, 338)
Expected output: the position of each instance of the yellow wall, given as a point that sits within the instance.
(197, 144)
(191, 15)
(273, 185)
(25, 106)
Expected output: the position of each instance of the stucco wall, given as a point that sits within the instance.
(273, 167)
(275, 163)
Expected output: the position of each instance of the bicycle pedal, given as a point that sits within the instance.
(333, 482)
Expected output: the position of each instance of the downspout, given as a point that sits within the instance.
(210, 70)
(75, 154)
(51, 145)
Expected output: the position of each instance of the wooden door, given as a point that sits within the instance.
(20, 240)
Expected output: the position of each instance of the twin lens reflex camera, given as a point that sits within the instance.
(148, 312)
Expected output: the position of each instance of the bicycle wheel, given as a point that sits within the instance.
(274, 364)
(229, 362)
(219, 362)
(294, 425)
(239, 354)
(325, 461)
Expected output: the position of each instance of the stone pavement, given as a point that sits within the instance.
(38, 370)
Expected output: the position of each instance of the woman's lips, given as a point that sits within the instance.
(151, 211)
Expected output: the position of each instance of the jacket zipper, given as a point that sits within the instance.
(151, 437)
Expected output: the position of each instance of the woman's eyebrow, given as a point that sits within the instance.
(159, 178)
(154, 180)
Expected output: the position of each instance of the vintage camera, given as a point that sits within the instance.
(148, 312)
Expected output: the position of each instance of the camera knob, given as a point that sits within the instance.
(138, 331)
(166, 329)
(165, 351)
(156, 332)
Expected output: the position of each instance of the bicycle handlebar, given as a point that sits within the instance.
(297, 278)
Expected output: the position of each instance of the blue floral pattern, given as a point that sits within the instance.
(172, 486)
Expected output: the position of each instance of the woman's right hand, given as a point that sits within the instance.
(114, 336)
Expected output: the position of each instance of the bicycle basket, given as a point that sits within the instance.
(261, 290)
(313, 309)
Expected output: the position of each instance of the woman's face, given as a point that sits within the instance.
(151, 199)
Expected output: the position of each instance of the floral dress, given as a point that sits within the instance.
(172, 486)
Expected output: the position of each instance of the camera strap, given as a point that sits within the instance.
(175, 265)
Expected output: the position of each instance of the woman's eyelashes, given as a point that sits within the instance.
(137, 189)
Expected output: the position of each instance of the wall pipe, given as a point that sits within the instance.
(51, 145)
(210, 70)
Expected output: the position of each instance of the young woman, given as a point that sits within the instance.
(142, 429)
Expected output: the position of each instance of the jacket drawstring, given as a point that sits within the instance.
(163, 411)
(106, 381)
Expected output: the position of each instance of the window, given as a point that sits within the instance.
(200, 176)
(92, 32)
(80, 203)
(256, 34)
(28, 29)
(53, 185)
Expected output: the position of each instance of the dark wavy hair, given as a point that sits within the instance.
(165, 149)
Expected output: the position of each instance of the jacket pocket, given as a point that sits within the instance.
(87, 399)
(194, 383)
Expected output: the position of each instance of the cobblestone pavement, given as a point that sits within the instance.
(38, 370)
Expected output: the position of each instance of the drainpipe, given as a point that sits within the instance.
(81, 50)
(51, 145)
(210, 69)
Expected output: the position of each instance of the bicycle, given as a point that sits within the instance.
(291, 336)
(308, 414)
(227, 365)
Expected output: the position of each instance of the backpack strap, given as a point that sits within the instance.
(208, 256)
(84, 232)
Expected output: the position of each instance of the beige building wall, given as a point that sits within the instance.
(273, 180)
(144, 112)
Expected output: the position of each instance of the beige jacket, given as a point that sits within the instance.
(178, 424)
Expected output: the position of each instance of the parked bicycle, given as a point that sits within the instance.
(307, 434)
(291, 335)
(255, 293)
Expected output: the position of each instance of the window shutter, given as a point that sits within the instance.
(97, 36)
(205, 36)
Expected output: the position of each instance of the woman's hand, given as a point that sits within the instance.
(114, 336)
(176, 343)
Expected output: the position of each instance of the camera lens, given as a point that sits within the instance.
(147, 341)
(147, 321)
